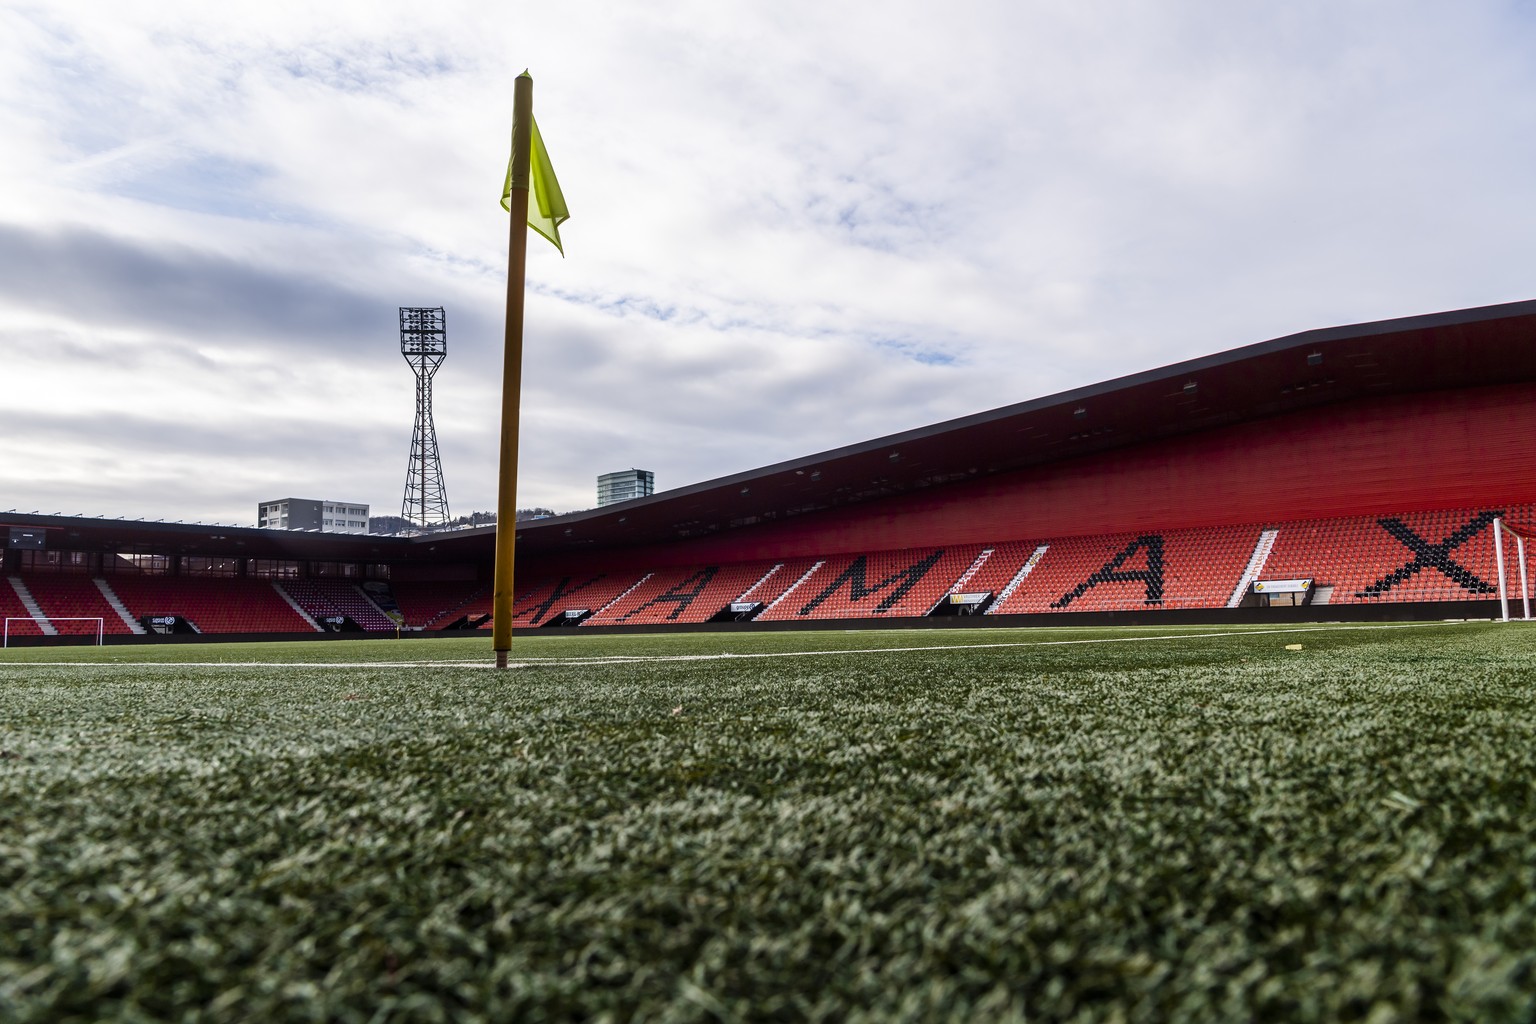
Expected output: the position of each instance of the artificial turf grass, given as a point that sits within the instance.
(1212, 829)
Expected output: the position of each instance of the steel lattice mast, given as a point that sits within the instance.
(424, 344)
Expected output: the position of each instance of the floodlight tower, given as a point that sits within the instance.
(424, 344)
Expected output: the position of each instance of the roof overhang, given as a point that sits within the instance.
(130, 536)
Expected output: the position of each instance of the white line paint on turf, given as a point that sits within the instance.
(619, 659)
(627, 659)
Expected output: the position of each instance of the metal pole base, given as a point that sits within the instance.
(501, 659)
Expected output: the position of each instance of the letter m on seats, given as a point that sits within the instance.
(855, 578)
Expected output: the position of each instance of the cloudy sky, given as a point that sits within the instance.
(795, 225)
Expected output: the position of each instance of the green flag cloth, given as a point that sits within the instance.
(546, 203)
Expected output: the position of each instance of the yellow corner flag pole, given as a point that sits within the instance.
(512, 369)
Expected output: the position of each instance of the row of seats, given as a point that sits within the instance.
(891, 584)
(11, 607)
(779, 579)
(689, 594)
(66, 597)
(434, 603)
(1130, 571)
(212, 604)
(549, 597)
(323, 598)
(1445, 555)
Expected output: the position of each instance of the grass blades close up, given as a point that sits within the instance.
(1115, 825)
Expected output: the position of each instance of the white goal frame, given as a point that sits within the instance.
(1499, 529)
(38, 620)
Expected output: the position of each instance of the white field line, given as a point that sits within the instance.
(626, 659)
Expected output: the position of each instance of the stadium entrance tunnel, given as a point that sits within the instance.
(569, 617)
(738, 611)
(467, 622)
(1279, 593)
(338, 624)
(963, 604)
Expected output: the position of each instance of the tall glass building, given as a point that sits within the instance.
(626, 484)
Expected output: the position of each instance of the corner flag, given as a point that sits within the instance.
(547, 211)
(529, 175)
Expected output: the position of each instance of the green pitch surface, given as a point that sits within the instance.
(1117, 825)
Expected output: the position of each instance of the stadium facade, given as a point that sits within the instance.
(1368, 462)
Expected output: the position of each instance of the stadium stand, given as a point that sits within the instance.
(211, 604)
(1002, 571)
(1203, 567)
(61, 595)
(429, 605)
(328, 598)
(550, 597)
(1117, 572)
(1419, 556)
(1414, 556)
(687, 594)
(886, 583)
(11, 607)
(477, 610)
(779, 580)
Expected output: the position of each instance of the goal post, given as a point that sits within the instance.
(41, 620)
(1500, 528)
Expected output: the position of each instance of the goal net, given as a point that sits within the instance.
(1507, 541)
(49, 625)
